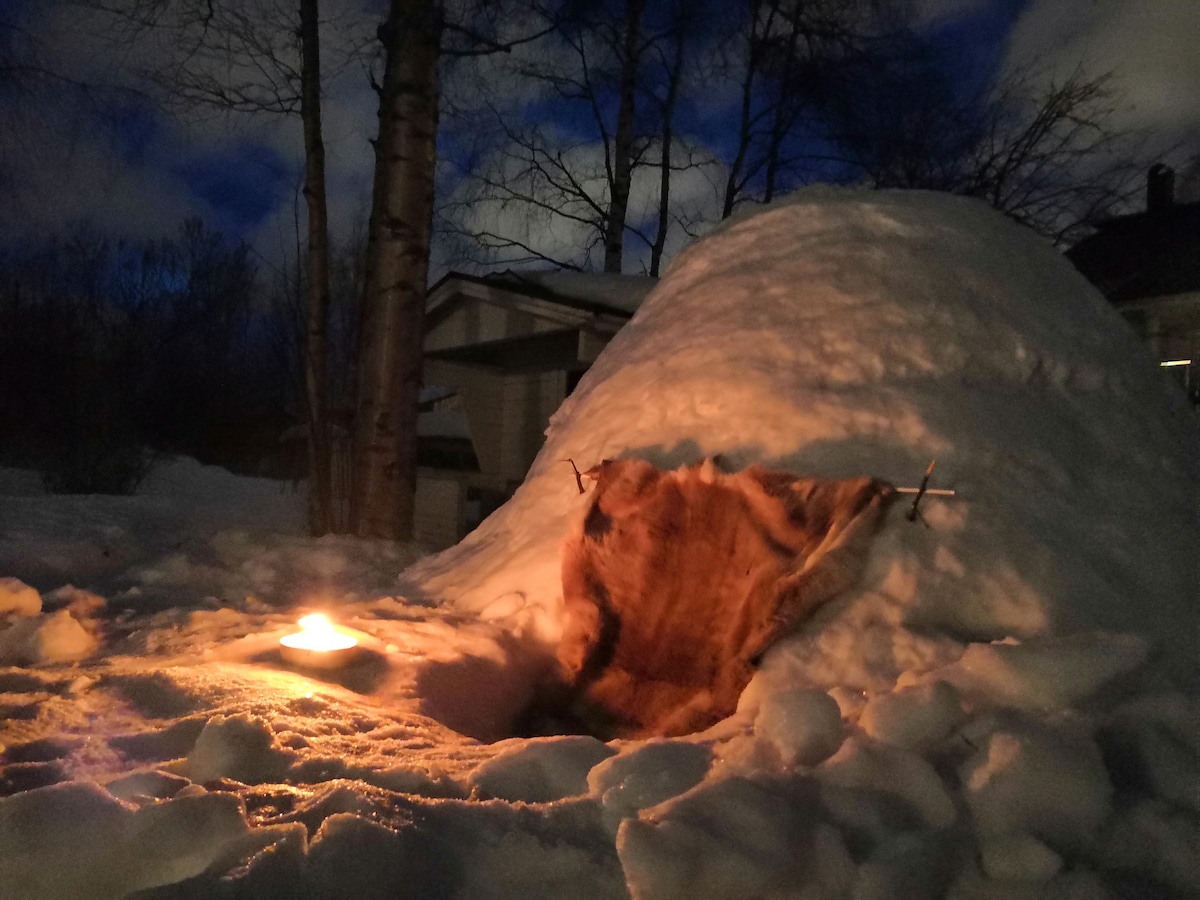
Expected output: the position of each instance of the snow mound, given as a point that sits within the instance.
(841, 333)
(45, 638)
(75, 840)
(540, 770)
(19, 599)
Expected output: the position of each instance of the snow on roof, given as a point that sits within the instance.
(621, 292)
(593, 292)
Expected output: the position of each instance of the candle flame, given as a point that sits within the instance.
(319, 634)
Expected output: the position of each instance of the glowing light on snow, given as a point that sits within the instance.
(318, 643)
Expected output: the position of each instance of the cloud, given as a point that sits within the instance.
(136, 170)
(60, 170)
(520, 220)
(933, 11)
(1150, 47)
(141, 172)
(118, 158)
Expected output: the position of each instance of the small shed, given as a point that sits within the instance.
(1148, 266)
(502, 352)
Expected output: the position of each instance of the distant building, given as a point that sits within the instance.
(501, 353)
(1148, 265)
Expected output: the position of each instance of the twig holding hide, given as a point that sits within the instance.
(924, 486)
(578, 476)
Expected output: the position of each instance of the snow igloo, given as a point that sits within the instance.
(839, 333)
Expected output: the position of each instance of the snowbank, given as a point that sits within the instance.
(988, 714)
(193, 534)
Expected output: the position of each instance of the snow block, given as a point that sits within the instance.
(915, 865)
(61, 638)
(142, 785)
(539, 770)
(1077, 884)
(1041, 782)
(82, 604)
(1156, 841)
(849, 701)
(75, 840)
(1045, 673)
(1152, 744)
(734, 838)
(866, 765)
(57, 841)
(169, 842)
(272, 863)
(645, 776)
(46, 639)
(803, 726)
(1018, 857)
(531, 857)
(353, 857)
(240, 747)
(916, 718)
(18, 598)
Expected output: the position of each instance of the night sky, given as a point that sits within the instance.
(133, 169)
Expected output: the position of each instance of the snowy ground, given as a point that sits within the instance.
(1006, 706)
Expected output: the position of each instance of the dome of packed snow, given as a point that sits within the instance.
(841, 333)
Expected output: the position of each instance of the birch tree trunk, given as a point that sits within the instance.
(316, 382)
(622, 175)
(675, 72)
(398, 235)
(733, 183)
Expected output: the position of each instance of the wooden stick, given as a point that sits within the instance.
(929, 492)
(578, 476)
(912, 513)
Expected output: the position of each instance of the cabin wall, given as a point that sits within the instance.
(1170, 325)
(481, 322)
(506, 412)
(529, 402)
(439, 506)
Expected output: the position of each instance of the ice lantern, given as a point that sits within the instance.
(318, 644)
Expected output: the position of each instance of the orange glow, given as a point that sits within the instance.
(318, 635)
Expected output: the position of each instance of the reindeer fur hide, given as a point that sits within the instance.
(676, 582)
